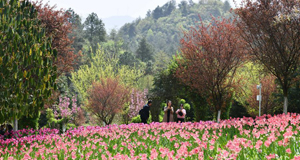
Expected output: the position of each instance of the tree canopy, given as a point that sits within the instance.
(211, 55)
(27, 73)
(273, 41)
(103, 66)
(94, 30)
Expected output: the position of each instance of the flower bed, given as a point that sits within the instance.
(265, 137)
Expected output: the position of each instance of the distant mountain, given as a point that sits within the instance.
(163, 27)
(116, 22)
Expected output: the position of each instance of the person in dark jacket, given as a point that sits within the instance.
(145, 112)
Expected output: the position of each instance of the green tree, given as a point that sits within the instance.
(226, 6)
(132, 30)
(127, 58)
(161, 61)
(168, 87)
(157, 12)
(191, 3)
(183, 7)
(112, 48)
(248, 74)
(27, 73)
(144, 51)
(94, 30)
(148, 13)
(103, 66)
(113, 35)
(77, 31)
(169, 7)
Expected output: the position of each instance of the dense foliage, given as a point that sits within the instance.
(273, 41)
(163, 26)
(27, 73)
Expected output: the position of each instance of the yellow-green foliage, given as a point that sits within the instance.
(103, 66)
(249, 74)
(145, 82)
(136, 119)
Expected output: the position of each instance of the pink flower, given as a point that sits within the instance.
(267, 143)
(103, 157)
(73, 155)
(115, 146)
(280, 143)
(288, 151)
(26, 156)
(271, 156)
(153, 154)
(144, 157)
(296, 158)
(258, 144)
(176, 145)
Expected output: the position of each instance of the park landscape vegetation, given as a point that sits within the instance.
(73, 91)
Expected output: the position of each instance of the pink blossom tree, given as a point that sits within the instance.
(137, 100)
(66, 111)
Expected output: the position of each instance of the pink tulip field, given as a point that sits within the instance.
(266, 137)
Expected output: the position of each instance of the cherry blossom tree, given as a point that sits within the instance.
(66, 110)
(137, 100)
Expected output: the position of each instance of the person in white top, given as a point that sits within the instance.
(181, 112)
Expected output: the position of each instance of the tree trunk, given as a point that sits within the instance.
(15, 124)
(219, 116)
(285, 106)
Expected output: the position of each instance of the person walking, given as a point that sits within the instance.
(168, 117)
(181, 112)
(144, 113)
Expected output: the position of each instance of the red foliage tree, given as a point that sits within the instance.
(211, 55)
(106, 99)
(268, 104)
(58, 27)
(271, 29)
